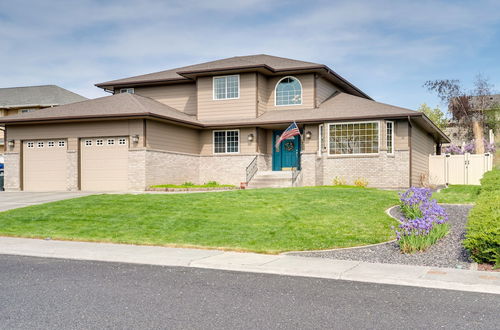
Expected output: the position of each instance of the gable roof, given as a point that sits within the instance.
(32, 96)
(341, 106)
(262, 62)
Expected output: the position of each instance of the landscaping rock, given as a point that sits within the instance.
(448, 252)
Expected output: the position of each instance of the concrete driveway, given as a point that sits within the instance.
(13, 200)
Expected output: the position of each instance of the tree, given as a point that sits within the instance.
(467, 108)
(437, 116)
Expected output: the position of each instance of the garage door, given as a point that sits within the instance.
(44, 165)
(104, 164)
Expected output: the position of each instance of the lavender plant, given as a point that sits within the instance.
(424, 221)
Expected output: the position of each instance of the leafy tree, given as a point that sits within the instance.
(437, 116)
(466, 107)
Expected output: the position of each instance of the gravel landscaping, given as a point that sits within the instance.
(448, 252)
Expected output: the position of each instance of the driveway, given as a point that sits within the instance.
(13, 200)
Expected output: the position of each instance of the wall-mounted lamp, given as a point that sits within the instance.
(308, 135)
(11, 144)
(135, 139)
(250, 137)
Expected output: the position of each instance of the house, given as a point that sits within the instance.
(16, 100)
(218, 121)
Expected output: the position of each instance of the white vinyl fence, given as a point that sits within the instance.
(459, 169)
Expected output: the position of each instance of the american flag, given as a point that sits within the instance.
(292, 130)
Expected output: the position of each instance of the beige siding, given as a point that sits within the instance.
(324, 89)
(263, 93)
(310, 145)
(77, 130)
(243, 107)
(401, 137)
(422, 145)
(246, 147)
(307, 82)
(179, 96)
(262, 141)
(168, 137)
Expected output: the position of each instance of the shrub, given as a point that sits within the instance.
(361, 182)
(491, 181)
(482, 238)
(423, 223)
(211, 184)
(188, 184)
(339, 181)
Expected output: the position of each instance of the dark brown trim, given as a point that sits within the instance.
(144, 132)
(410, 126)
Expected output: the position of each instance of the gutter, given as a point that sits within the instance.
(410, 127)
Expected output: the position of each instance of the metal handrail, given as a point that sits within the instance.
(252, 169)
(296, 170)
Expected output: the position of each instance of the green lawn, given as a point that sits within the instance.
(266, 220)
(458, 194)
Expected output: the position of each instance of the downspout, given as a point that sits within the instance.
(410, 148)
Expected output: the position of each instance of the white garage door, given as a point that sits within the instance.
(104, 164)
(45, 165)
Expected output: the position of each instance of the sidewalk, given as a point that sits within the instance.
(429, 277)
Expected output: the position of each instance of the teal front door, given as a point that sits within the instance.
(286, 156)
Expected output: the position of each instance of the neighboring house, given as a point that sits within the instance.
(218, 121)
(17, 100)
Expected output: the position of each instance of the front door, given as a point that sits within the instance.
(286, 156)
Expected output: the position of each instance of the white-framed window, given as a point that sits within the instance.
(127, 90)
(88, 142)
(40, 144)
(51, 144)
(389, 132)
(111, 142)
(122, 141)
(226, 87)
(99, 142)
(30, 144)
(226, 142)
(288, 91)
(62, 143)
(353, 138)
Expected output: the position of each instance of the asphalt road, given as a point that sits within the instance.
(39, 293)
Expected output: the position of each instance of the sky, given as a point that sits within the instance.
(388, 49)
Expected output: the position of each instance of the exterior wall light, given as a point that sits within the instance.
(250, 137)
(308, 135)
(135, 139)
(11, 144)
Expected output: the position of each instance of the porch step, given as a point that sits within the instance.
(271, 179)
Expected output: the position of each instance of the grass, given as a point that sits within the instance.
(266, 220)
(206, 185)
(458, 194)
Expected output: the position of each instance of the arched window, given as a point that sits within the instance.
(288, 91)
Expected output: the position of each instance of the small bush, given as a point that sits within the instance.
(420, 242)
(361, 182)
(188, 184)
(339, 181)
(211, 184)
(483, 229)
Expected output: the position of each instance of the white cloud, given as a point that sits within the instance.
(370, 42)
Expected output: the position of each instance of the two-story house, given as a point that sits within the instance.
(218, 121)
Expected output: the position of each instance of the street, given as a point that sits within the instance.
(43, 293)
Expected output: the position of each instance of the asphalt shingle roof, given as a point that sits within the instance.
(45, 95)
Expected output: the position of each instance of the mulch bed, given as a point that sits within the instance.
(448, 252)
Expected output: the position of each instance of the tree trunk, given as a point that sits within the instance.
(477, 129)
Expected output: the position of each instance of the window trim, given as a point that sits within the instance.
(129, 90)
(225, 142)
(358, 154)
(227, 98)
(392, 136)
(63, 142)
(276, 94)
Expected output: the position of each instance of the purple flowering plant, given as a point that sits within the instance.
(423, 222)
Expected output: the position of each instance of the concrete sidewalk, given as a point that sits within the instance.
(430, 277)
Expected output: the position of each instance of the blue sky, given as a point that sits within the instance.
(386, 48)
